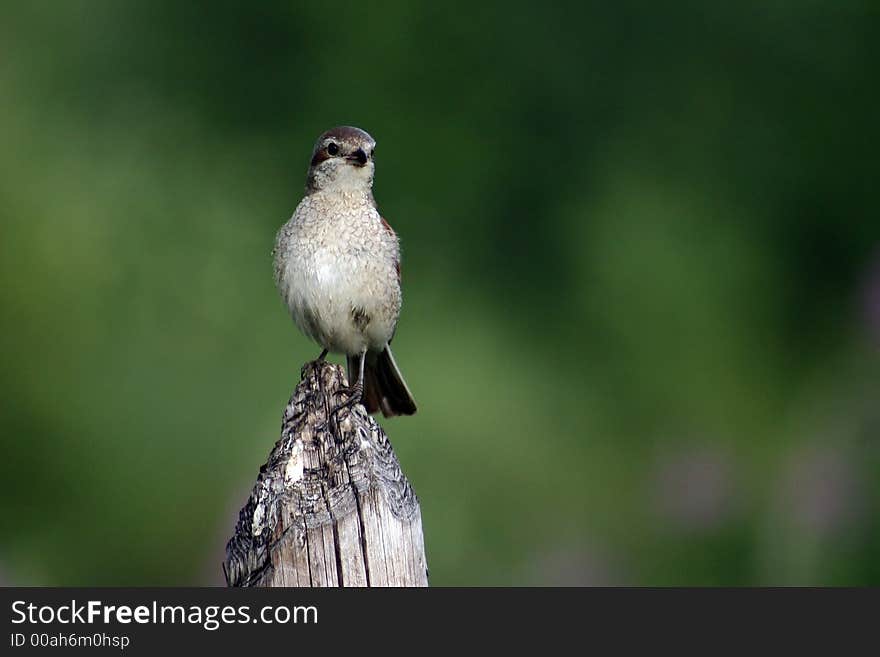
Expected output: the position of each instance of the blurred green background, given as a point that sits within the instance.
(641, 280)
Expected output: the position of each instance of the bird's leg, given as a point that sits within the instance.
(322, 356)
(356, 391)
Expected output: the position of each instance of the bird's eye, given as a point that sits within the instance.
(332, 149)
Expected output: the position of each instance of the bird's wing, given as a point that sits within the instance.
(388, 227)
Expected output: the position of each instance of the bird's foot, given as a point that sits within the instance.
(354, 396)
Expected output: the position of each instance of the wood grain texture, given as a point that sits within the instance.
(331, 506)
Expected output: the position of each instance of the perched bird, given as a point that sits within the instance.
(337, 267)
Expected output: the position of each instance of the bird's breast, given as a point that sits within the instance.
(338, 276)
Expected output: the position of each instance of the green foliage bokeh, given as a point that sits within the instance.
(641, 280)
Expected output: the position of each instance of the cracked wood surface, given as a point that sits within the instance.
(331, 506)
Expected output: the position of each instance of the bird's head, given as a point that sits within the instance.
(343, 160)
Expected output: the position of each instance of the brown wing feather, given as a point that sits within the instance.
(388, 227)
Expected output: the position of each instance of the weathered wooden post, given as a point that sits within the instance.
(331, 506)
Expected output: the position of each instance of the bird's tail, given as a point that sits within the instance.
(384, 387)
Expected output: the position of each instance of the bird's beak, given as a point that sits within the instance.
(358, 158)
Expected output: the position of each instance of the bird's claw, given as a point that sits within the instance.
(354, 397)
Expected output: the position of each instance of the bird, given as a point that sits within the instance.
(337, 268)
